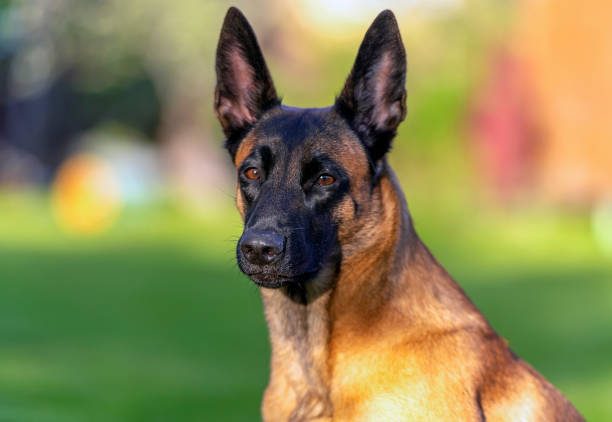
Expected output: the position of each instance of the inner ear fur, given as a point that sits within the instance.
(244, 88)
(373, 99)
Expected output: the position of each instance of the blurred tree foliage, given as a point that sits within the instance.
(144, 50)
(113, 41)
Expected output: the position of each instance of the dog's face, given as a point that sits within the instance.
(305, 176)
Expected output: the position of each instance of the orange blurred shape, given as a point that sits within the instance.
(86, 195)
(567, 46)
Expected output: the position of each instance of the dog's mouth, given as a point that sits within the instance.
(276, 281)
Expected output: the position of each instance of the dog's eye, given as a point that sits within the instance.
(325, 180)
(252, 173)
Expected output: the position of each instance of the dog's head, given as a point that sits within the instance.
(305, 176)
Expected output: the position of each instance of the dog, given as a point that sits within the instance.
(364, 324)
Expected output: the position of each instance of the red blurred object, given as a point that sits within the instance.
(503, 129)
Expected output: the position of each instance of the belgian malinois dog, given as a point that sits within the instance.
(365, 325)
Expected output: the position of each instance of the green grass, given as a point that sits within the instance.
(153, 322)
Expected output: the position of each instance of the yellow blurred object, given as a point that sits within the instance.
(86, 195)
(602, 225)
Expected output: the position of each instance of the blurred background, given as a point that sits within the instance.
(120, 299)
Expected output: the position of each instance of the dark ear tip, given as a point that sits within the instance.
(386, 17)
(233, 11)
(387, 13)
(234, 15)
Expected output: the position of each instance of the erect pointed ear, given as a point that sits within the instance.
(244, 87)
(374, 98)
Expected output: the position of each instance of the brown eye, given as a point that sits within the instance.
(325, 180)
(252, 173)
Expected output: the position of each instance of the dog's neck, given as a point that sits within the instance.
(299, 326)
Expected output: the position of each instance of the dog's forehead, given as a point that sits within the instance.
(292, 126)
(299, 135)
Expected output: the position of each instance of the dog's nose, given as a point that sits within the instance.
(261, 248)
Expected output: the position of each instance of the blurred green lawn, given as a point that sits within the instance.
(152, 321)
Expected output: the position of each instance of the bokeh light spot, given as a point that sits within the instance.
(602, 225)
(86, 195)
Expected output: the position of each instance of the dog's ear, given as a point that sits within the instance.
(244, 87)
(374, 97)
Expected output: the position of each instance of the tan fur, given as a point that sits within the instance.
(245, 148)
(391, 337)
